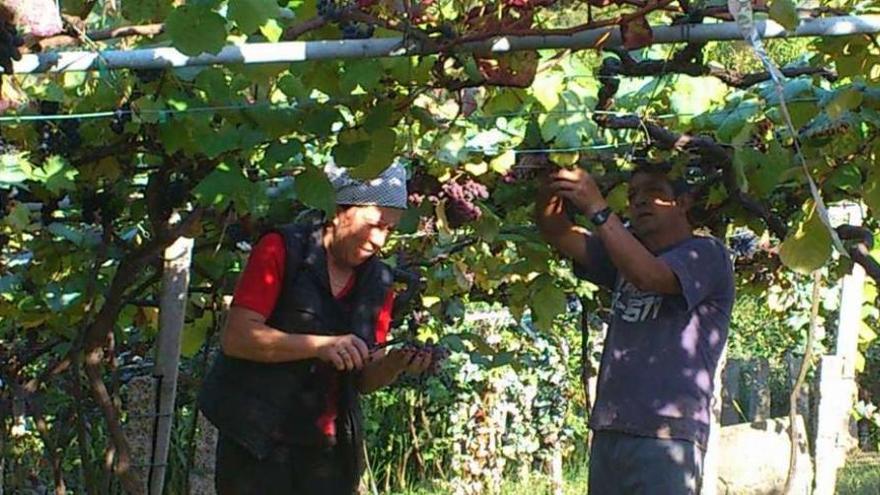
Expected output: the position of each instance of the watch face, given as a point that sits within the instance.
(601, 216)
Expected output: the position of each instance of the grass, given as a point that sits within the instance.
(575, 484)
(860, 476)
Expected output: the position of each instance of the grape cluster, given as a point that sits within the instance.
(10, 40)
(100, 207)
(331, 9)
(56, 138)
(121, 116)
(146, 76)
(460, 200)
(90, 206)
(6, 147)
(744, 244)
(356, 30)
(439, 354)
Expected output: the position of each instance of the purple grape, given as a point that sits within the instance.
(460, 201)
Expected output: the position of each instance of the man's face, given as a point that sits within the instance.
(361, 231)
(652, 204)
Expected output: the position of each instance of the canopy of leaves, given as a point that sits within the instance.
(86, 199)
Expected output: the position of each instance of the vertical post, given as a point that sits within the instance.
(731, 379)
(837, 386)
(713, 450)
(172, 310)
(2, 452)
(140, 426)
(830, 415)
(201, 475)
(759, 396)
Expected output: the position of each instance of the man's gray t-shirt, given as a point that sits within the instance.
(661, 351)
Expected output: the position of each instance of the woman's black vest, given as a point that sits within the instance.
(266, 405)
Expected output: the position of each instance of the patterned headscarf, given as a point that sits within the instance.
(388, 189)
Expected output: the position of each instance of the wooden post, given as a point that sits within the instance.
(2, 453)
(731, 379)
(201, 475)
(831, 416)
(713, 449)
(759, 395)
(175, 284)
(835, 433)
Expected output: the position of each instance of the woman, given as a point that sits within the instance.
(296, 350)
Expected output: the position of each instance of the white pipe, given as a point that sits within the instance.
(298, 51)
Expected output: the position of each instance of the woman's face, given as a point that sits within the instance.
(359, 232)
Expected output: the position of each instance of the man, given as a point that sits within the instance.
(672, 298)
(296, 350)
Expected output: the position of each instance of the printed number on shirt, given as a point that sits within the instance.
(634, 306)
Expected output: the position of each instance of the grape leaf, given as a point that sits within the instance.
(503, 162)
(845, 100)
(221, 186)
(809, 246)
(19, 217)
(547, 91)
(194, 335)
(547, 302)
(320, 121)
(380, 156)
(251, 14)
(380, 116)
(363, 73)
(314, 189)
(871, 193)
(784, 12)
(272, 30)
(352, 148)
(143, 11)
(195, 30)
(56, 175)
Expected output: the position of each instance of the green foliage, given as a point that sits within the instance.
(508, 387)
(83, 211)
(785, 13)
(195, 30)
(809, 246)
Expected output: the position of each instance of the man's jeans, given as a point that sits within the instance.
(622, 464)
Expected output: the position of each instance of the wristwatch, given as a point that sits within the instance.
(601, 216)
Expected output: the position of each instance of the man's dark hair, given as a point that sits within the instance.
(676, 179)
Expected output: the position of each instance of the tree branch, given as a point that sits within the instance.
(688, 62)
(860, 250)
(650, 7)
(96, 334)
(714, 156)
(69, 39)
(297, 30)
(63, 40)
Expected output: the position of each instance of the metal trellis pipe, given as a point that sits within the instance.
(299, 51)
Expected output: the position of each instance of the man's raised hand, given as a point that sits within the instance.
(577, 186)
